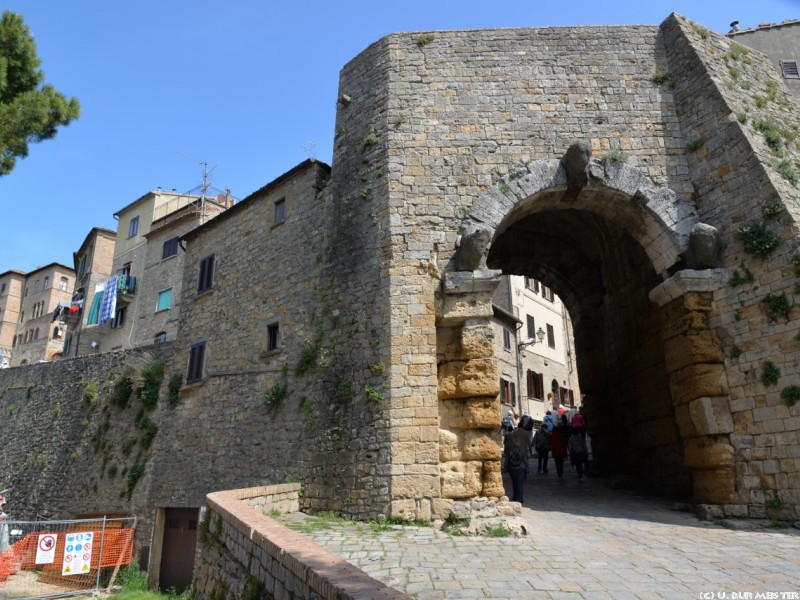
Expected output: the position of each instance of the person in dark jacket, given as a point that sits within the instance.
(558, 446)
(515, 461)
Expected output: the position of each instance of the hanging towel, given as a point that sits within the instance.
(94, 310)
(109, 302)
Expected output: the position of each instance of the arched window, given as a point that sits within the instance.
(56, 332)
(63, 284)
(160, 337)
(46, 282)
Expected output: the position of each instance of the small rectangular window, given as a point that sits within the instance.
(273, 337)
(280, 210)
(47, 283)
(196, 358)
(789, 69)
(119, 317)
(63, 284)
(507, 391)
(164, 300)
(551, 336)
(3, 290)
(170, 248)
(82, 267)
(133, 226)
(160, 337)
(506, 338)
(206, 279)
(531, 327)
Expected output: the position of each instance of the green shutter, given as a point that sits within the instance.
(164, 300)
(94, 311)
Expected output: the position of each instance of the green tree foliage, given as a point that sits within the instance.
(30, 110)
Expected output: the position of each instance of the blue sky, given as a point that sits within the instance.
(247, 86)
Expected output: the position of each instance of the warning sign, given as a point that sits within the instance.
(77, 553)
(46, 549)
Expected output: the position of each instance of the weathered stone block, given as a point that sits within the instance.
(711, 415)
(479, 445)
(449, 446)
(441, 507)
(477, 340)
(403, 453)
(702, 347)
(697, 380)
(469, 413)
(460, 307)
(415, 486)
(492, 480)
(715, 487)
(707, 453)
(464, 379)
(460, 479)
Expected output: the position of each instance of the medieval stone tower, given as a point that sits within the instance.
(649, 176)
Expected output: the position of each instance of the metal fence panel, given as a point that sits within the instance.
(55, 559)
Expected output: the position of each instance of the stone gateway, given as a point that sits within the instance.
(647, 174)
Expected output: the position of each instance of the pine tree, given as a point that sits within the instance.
(30, 110)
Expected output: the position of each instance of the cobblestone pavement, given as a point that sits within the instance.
(587, 541)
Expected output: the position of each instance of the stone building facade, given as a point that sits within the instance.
(38, 337)
(781, 43)
(93, 267)
(12, 284)
(535, 350)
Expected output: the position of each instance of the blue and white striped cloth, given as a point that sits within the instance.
(109, 303)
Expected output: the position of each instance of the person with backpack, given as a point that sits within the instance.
(515, 462)
(558, 445)
(578, 454)
(549, 422)
(526, 423)
(542, 447)
(507, 424)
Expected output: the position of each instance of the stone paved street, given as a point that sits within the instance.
(588, 541)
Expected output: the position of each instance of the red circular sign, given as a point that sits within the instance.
(46, 543)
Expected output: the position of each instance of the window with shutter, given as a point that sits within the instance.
(551, 336)
(789, 69)
(196, 357)
(206, 279)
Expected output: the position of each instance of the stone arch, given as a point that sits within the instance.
(625, 283)
(655, 218)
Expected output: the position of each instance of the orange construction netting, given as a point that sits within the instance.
(112, 548)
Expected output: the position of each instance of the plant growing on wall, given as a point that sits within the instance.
(275, 396)
(90, 392)
(770, 374)
(615, 156)
(174, 389)
(123, 388)
(741, 279)
(374, 393)
(791, 394)
(758, 240)
(152, 375)
(777, 307)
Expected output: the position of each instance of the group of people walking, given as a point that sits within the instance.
(559, 435)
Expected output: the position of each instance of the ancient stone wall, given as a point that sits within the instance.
(738, 118)
(306, 410)
(72, 444)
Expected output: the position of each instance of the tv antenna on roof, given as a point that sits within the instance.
(203, 187)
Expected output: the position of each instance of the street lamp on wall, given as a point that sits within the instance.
(539, 334)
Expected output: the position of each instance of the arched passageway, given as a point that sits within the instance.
(604, 277)
(609, 243)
